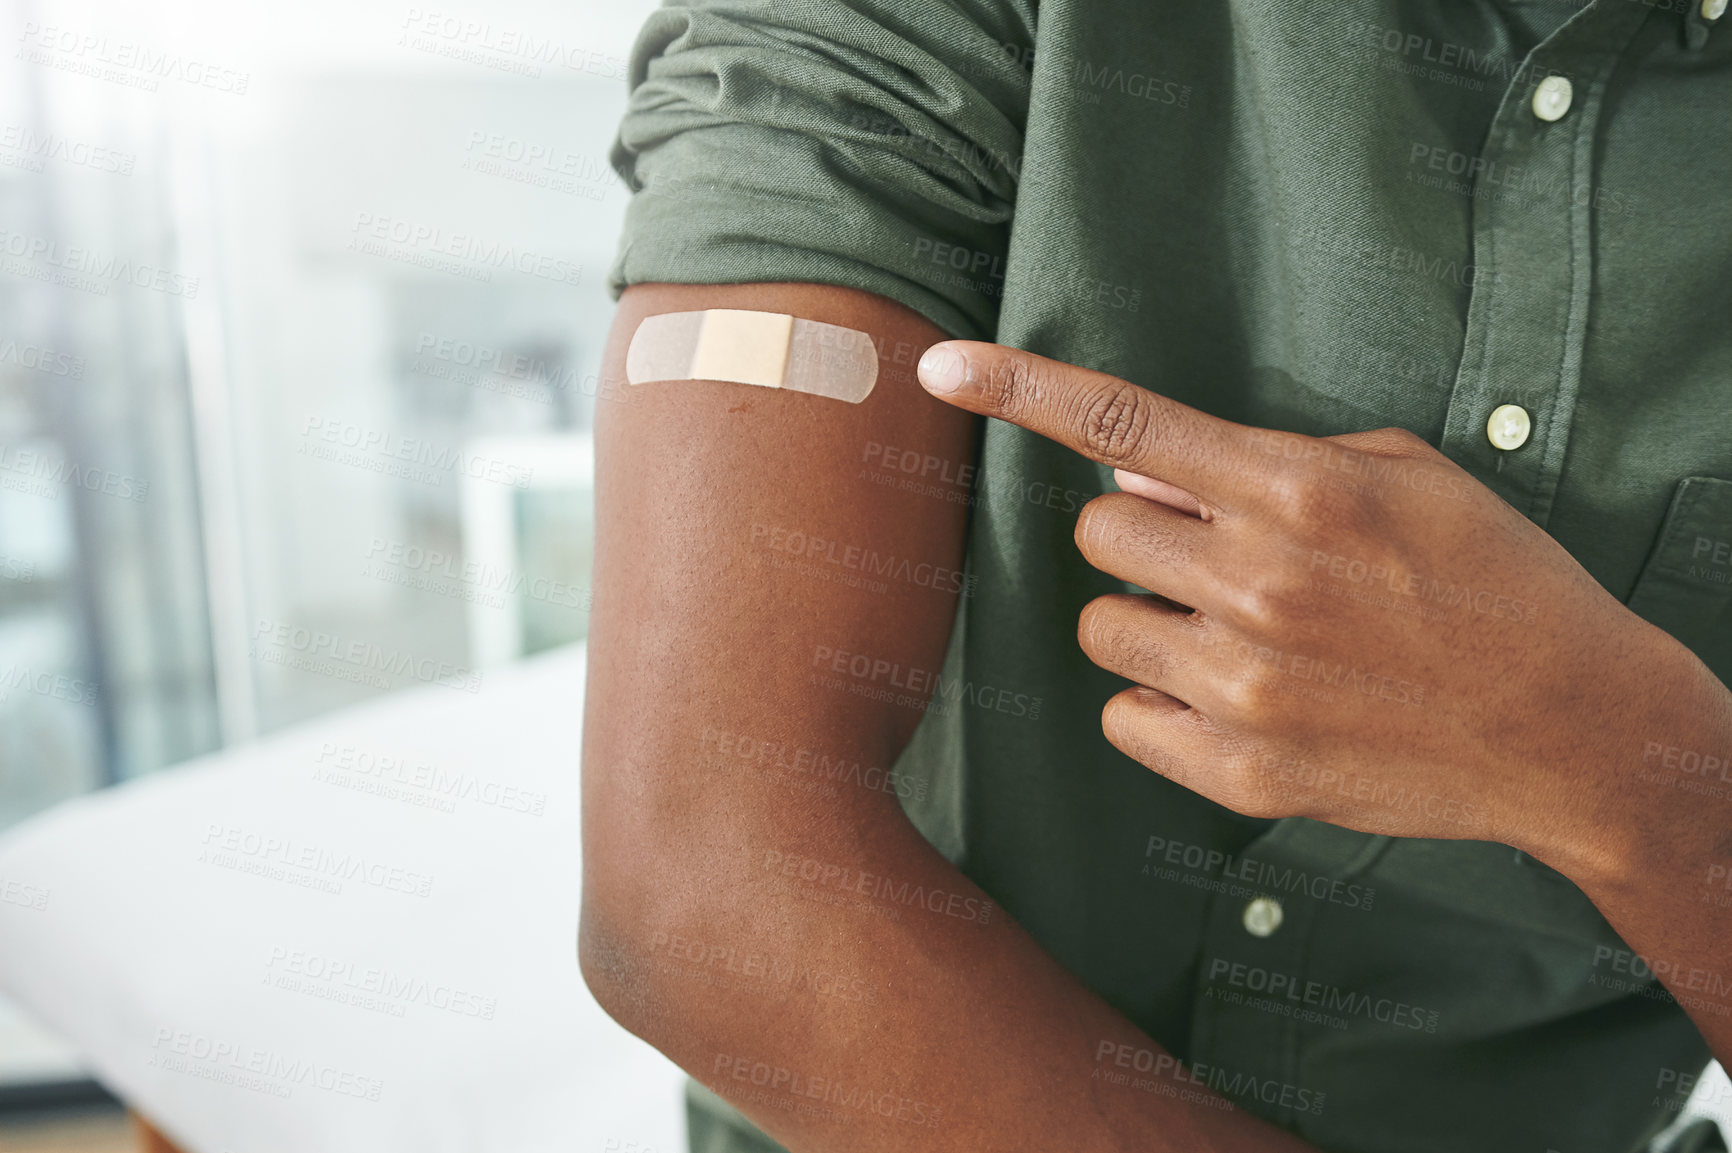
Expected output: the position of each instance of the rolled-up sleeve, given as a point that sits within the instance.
(872, 144)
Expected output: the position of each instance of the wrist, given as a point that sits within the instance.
(1646, 791)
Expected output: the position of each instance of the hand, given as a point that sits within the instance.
(1351, 628)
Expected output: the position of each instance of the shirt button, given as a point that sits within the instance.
(1713, 9)
(1262, 916)
(1508, 427)
(1553, 94)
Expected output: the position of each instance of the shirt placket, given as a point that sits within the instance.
(1535, 197)
(1261, 929)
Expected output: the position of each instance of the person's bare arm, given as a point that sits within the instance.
(751, 921)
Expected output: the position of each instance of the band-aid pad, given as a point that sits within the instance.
(769, 349)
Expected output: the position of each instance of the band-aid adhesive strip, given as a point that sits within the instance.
(769, 349)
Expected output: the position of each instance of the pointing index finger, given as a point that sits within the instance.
(1108, 420)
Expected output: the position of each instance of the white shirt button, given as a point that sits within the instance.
(1552, 96)
(1713, 9)
(1262, 916)
(1508, 427)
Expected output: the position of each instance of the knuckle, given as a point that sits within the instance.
(1111, 639)
(1092, 628)
(1092, 526)
(1157, 744)
(1121, 522)
(1254, 798)
(1266, 606)
(1115, 420)
(1241, 693)
(1014, 384)
(1302, 497)
(1314, 508)
(1404, 440)
(1122, 727)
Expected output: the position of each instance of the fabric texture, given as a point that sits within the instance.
(1317, 219)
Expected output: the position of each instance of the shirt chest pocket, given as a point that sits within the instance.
(1686, 586)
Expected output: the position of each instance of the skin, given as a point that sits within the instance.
(1284, 667)
(705, 640)
(711, 666)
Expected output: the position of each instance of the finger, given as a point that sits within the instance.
(1159, 490)
(1157, 730)
(1152, 546)
(1386, 442)
(1182, 745)
(1146, 641)
(1102, 417)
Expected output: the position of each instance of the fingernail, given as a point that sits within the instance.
(943, 369)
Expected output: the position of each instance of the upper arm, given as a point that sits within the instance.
(744, 537)
(742, 533)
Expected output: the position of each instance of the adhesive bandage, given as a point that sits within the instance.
(769, 349)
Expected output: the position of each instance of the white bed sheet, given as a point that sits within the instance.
(357, 936)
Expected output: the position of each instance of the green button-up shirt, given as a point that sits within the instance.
(1319, 217)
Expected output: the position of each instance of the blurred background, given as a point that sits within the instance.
(301, 315)
(301, 312)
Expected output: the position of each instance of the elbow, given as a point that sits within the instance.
(619, 972)
(616, 954)
(631, 914)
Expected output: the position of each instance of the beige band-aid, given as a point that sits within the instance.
(769, 349)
